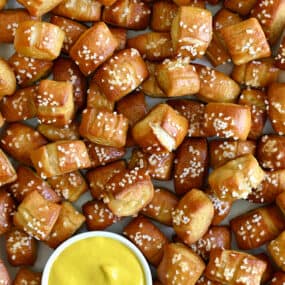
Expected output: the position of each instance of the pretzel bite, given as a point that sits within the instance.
(271, 16)
(255, 228)
(272, 184)
(158, 164)
(222, 208)
(19, 140)
(179, 265)
(19, 106)
(276, 99)
(21, 249)
(101, 155)
(268, 273)
(36, 216)
(152, 45)
(100, 176)
(4, 274)
(7, 79)
(7, 171)
(68, 222)
(150, 86)
(243, 7)
(7, 208)
(192, 216)
(193, 111)
(163, 13)
(280, 57)
(163, 127)
(121, 36)
(137, 17)
(246, 41)
(27, 277)
(39, 40)
(54, 102)
(276, 249)
(10, 19)
(98, 216)
(27, 182)
(215, 237)
(53, 133)
(147, 237)
(190, 165)
(257, 73)
(236, 178)
(128, 192)
(222, 151)
(60, 157)
(80, 10)
(205, 281)
(2, 4)
(192, 3)
(72, 29)
(90, 50)
(70, 185)
(233, 267)
(271, 152)
(280, 201)
(191, 31)
(121, 74)
(216, 86)
(103, 127)
(39, 7)
(29, 70)
(161, 206)
(278, 278)
(227, 120)
(177, 77)
(256, 99)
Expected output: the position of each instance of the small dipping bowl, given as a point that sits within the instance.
(97, 234)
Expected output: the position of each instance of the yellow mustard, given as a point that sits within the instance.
(97, 261)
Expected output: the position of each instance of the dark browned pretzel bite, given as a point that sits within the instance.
(280, 57)
(28, 277)
(243, 7)
(7, 209)
(278, 278)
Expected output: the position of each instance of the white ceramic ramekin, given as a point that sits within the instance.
(127, 243)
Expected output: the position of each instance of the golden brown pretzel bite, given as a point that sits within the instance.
(227, 120)
(192, 216)
(121, 74)
(93, 47)
(27, 277)
(36, 216)
(136, 18)
(271, 152)
(19, 140)
(180, 265)
(163, 127)
(39, 7)
(205, 281)
(190, 165)
(7, 79)
(232, 267)
(276, 249)
(256, 227)
(147, 237)
(27, 182)
(68, 222)
(246, 41)
(21, 249)
(176, 77)
(7, 208)
(98, 216)
(191, 31)
(10, 19)
(163, 13)
(39, 40)
(161, 206)
(72, 29)
(222, 151)
(19, 106)
(236, 178)
(7, 171)
(60, 157)
(80, 10)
